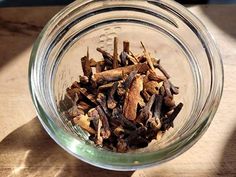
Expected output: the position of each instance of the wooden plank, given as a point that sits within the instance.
(25, 148)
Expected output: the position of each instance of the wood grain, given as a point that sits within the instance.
(25, 148)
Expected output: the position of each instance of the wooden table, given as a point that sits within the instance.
(27, 150)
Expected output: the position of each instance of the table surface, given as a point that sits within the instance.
(26, 149)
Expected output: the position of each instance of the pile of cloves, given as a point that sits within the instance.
(124, 101)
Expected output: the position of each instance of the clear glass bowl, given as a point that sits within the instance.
(169, 31)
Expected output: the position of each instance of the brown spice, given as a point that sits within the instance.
(115, 55)
(105, 124)
(132, 98)
(117, 74)
(125, 104)
(111, 102)
(86, 65)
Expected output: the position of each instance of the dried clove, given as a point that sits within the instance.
(167, 123)
(167, 88)
(105, 124)
(102, 100)
(123, 55)
(111, 102)
(108, 58)
(129, 80)
(123, 58)
(125, 104)
(115, 55)
(126, 47)
(155, 121)
(86, 65)
(145, 112)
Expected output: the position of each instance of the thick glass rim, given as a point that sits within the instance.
(129, 161)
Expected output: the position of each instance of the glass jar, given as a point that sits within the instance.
(169, 31)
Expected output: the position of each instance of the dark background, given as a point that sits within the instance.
(9, 3)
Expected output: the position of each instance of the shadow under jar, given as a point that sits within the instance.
(168, 30)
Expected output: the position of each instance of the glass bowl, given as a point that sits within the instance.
(169, 31)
